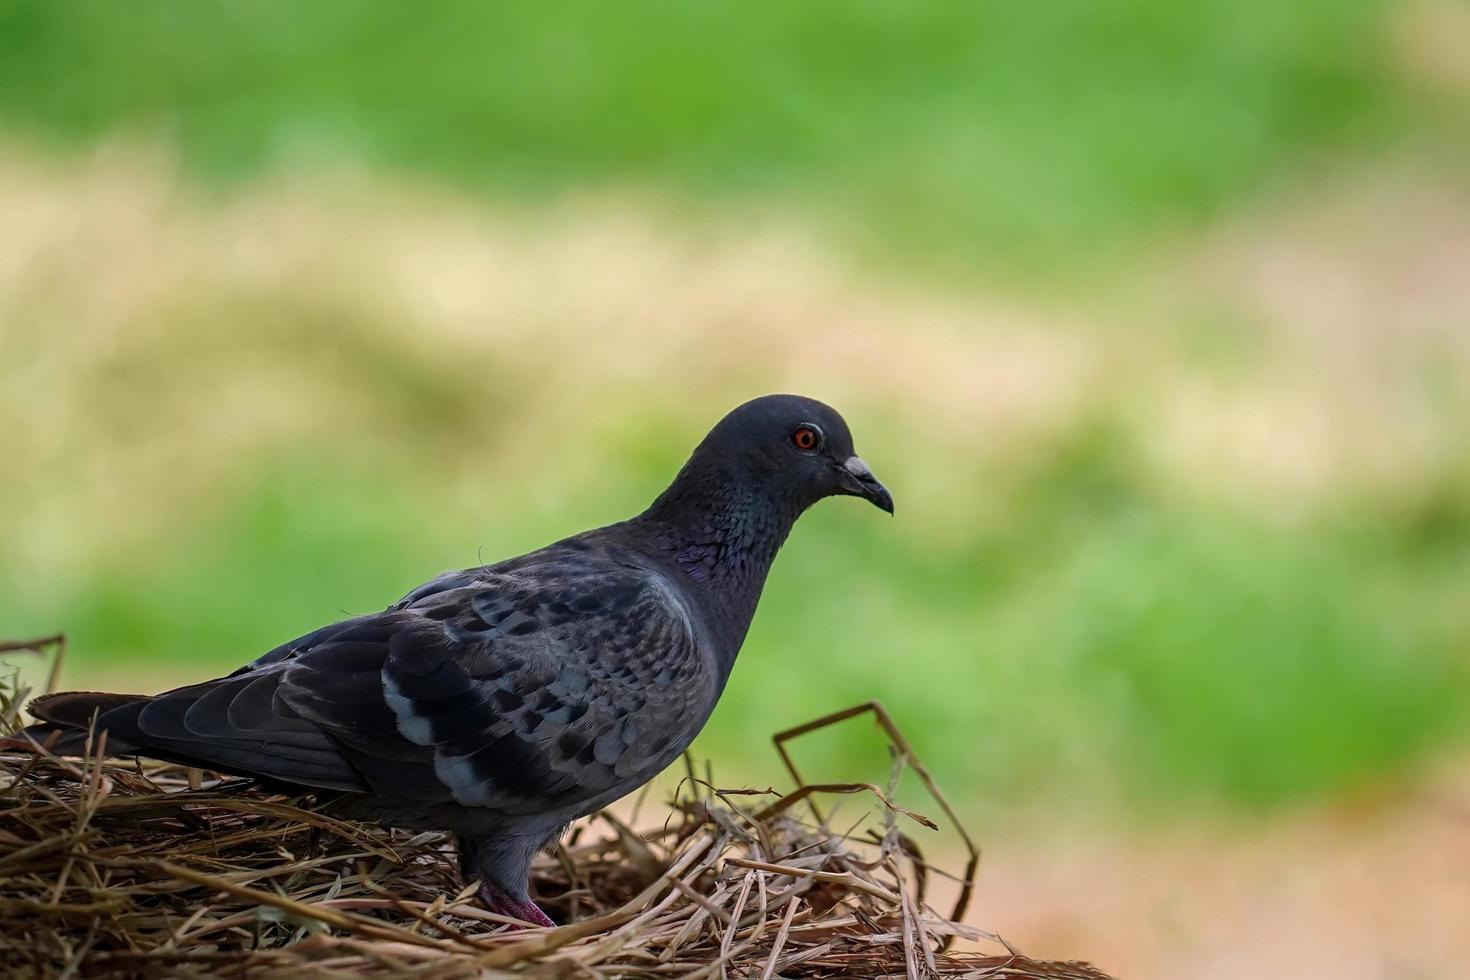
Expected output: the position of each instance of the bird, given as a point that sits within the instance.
(503, 701)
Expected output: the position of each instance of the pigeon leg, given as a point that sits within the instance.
(497, 901)
(502, 859)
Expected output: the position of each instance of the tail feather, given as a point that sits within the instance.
(65, 724)
(76, 709)
(274, 743)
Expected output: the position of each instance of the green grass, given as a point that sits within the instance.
(1102, 646)
(1024, 136)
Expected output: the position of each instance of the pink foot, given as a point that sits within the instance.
(500, 903)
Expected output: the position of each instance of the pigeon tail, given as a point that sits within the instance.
(65, 723)
(77, 709)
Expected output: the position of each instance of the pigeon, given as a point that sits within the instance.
(504, 701)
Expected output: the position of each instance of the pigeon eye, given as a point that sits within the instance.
(806, 437)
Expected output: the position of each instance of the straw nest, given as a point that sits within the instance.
(136, 869)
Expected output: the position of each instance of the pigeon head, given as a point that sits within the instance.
(790, 450)
(730, 508)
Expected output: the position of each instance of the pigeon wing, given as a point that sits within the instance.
(517, 692)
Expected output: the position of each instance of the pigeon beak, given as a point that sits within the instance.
(859, 481)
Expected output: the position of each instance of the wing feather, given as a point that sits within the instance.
(549, 687)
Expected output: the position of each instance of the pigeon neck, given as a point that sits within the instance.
(723, 534)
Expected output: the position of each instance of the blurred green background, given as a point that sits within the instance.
(1151, 314)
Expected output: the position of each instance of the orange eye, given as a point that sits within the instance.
(805, 437)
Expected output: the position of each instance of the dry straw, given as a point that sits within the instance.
(152, 870)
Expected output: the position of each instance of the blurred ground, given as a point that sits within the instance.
(1362, 889)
